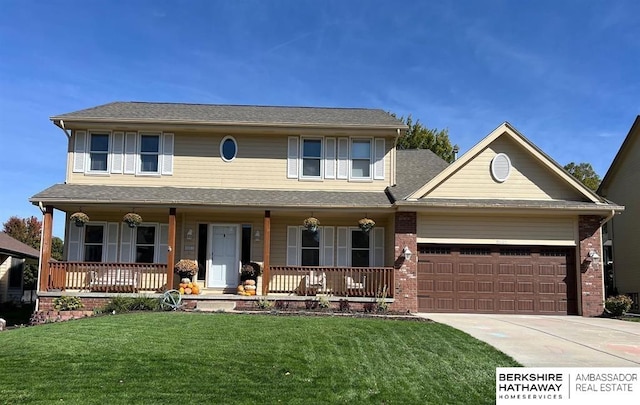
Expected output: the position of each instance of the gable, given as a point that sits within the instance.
(620, 179)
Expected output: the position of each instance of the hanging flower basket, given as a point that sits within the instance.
(132, 219)
(80, 218)
(186, 268)
(311, 224)
(366, 224)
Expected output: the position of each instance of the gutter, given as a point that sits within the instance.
(60, 124)
(608, 218)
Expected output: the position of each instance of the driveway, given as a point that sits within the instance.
(553, 341)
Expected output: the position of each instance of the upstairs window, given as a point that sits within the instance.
(228, 148)
(311, 158)
(98, 152)
(361, 159)
(149, 153)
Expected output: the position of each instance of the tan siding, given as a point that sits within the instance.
(260, 163)
(529, 179)
(5, 264)
(559, 231)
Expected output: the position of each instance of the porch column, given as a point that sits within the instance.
(266, 252)
(405, 273)
(171, 243)
(591, 278)
(45, 250)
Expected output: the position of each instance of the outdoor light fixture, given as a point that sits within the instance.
(407, 253)
(593, 256)
(256, 236)
(189, 234)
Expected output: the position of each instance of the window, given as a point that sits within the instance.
(228, 148)
(311, 157)
(359, 248)
(15, 273)
(98, 152)
(93, 243)
(361, 159)
(145, 244)
(149, 153)
(310, 248)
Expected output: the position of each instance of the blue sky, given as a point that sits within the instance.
(565, 73)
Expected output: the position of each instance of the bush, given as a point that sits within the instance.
(618, 305)
(127, 304)
(65, 303)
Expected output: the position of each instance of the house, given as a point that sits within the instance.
(13, 255)
(621, 246)
(502, 230)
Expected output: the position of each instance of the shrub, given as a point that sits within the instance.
(323, 302)
(65, 303)
(127, 304)
(264, 303)
(618, 305)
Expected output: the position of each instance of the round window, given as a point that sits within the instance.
(228, 148)
(501, 167)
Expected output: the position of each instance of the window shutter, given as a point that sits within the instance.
(377, 247)
(292, 158)
(167, 154)
(378, 165)
(330, 158)
(112, 242)
(130, 153)
(74, 247)
(117, 152)
(327, 249)
(126, 245)
(342, 259)
(163, 244)
(293, 250)
(79, 151)
(343, 158)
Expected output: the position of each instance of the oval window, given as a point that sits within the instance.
(228, 149)
(501, 167)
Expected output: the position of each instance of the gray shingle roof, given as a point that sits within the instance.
(415, 167)
(519, 204)
(14, 247)
(80, 193)
(235, 114)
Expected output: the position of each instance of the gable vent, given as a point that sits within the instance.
(500, 167)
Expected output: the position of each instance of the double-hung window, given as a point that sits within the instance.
(310, 248)
(98, 152)
(311, 158)
(361, 159)
(145, 244)
(93, 243)
(149, 153)
(360, 248)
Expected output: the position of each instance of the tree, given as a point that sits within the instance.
(420, 137)
(585, 174)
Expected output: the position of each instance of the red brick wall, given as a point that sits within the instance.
(406, 282)
(46, 303)
(591, 274)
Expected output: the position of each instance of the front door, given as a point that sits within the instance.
(224, 263)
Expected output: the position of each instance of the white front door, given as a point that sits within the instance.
(224, 256)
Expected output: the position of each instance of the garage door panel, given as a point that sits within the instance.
(484, 269)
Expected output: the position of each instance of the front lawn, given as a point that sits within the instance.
(176, 358)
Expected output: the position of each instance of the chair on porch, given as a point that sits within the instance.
(355, 287)
(316, 281)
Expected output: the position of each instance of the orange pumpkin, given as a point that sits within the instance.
(195, 289)
(183, 285)
(187, 290)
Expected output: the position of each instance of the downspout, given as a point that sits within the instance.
(608, 218)
(394, 159)
(60, 124)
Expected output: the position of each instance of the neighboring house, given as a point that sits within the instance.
(621, 184)
(502, 230)
(13, 255)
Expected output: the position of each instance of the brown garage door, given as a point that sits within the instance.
(496, 279)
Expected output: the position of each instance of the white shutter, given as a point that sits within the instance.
(130, 153)
(74, 246)
(342, 243)
(330, 158)
(292, 158)
(326, 259)
(126, 245)
(112, 243)
(293, 235)
(163, 244)
(117, 152)
(377, 247)
(79, 151)
(167, 154)
(378, 165)
(343, 158)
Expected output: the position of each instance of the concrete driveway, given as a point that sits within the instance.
(553, 341)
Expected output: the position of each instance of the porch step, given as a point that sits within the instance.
(215, 306)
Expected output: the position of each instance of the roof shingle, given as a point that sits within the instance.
(14, 247)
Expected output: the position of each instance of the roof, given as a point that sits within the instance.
(517, 204)
(85, 194)
(634, 132)
(234, 114)
(14, 247)
(414, 168)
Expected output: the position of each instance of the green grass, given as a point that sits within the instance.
(174, 358)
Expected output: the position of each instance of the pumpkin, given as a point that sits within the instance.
(250, 282)
(188, 290)
(251, 292)
(183, 285)
(195, 290)
(181, 290)
(249, 287)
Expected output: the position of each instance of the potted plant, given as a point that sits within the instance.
(132, 219)
(311, 224)
(366, 224)
(80, 218)
(186, 268)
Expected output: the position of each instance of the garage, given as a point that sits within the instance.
(497, 279)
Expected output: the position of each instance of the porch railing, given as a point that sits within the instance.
(105, 277)
(338, 281)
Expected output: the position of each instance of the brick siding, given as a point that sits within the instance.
(591, 274)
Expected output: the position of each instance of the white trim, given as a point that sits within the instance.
(235, 143)
(139, 154)
(497, 163)
(90, 133)
(320, 158)
(371, 168)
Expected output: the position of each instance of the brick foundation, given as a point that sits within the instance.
(406, 281)
(591, 275)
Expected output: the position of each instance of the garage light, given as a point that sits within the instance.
(407, 253)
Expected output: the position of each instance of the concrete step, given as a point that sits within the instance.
(215, 306)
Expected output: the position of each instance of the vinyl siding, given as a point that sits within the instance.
(5, 265)
(497, 230)
(529, 179)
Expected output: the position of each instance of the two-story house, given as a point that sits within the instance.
(502, 229)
